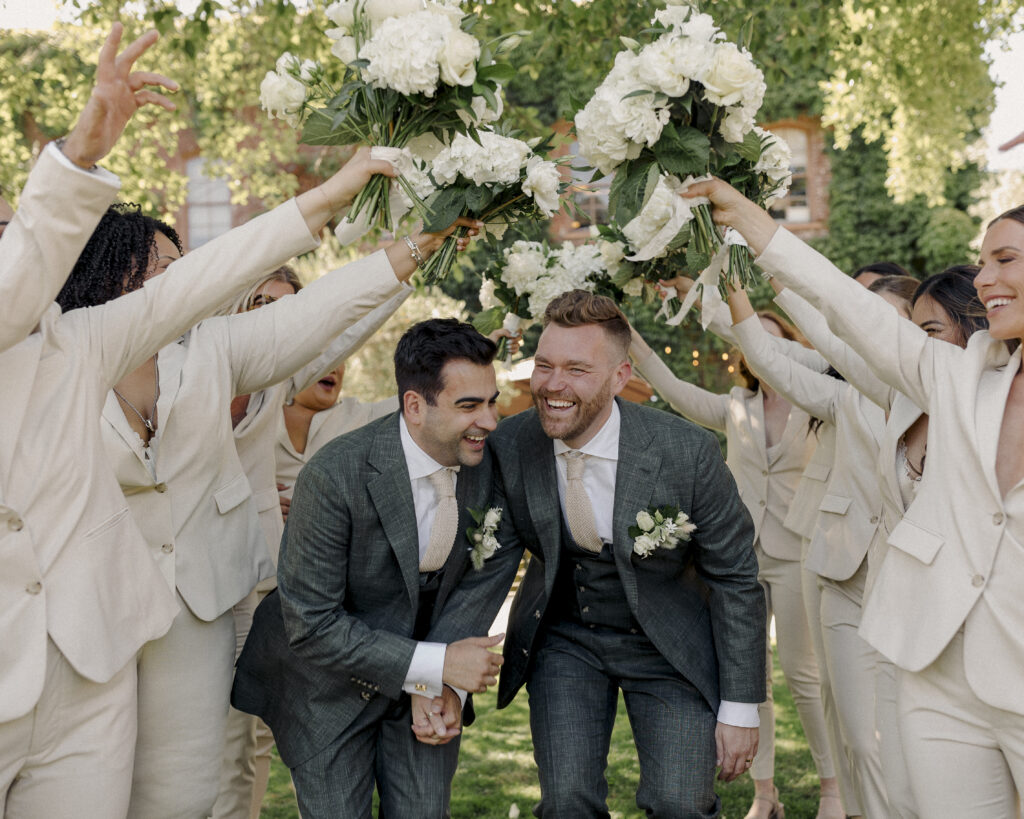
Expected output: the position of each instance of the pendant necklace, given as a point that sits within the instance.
(146, 422)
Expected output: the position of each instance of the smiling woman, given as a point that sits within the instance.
(945, 605)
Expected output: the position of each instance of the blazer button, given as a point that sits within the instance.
(536, 614)
(366, 695)
(997, 518)
(167, 548)
(15, 524)
(526, 653)
(764, 471)
(977, 581)
(34, 588)
(586, 609)
(874, 518)
(761, 503)
(161, 487)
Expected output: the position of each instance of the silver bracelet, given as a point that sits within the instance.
(414, 250)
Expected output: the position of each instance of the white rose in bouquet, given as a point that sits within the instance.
(403, 53)
(659, 67)
(663, 210)
(542, 181)
(672, 17)
(612, 254)
(732, 74)
(379, 10)
(488, 301)
(344, 46)
(458, 57)
(282, 96)
(342, 14)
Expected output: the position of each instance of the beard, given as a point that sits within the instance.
(574, 424)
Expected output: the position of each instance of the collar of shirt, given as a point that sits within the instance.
(605, 444)
(419, 463)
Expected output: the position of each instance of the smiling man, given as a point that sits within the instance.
(370, 631)
(678, 629)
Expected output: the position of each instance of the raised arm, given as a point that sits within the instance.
(815, 393)
(843, 357)
(899, 353)
(66, 195)
(699, 405)
(273, 343)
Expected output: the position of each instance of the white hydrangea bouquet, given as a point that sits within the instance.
(491, 177)
(519, 285)
(408, 70)
(669, 113)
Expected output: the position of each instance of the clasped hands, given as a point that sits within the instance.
(469, 664)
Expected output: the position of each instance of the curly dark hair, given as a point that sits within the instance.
(116, 257)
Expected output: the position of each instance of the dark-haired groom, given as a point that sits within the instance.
(680, 631)
(370, 631)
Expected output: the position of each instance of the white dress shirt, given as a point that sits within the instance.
(599, 474)
(426, 670)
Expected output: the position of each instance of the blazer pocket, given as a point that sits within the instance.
(916, 541)
(836, 504)
(266, 500)
(232, 494)
(817, 472)
(109, 523)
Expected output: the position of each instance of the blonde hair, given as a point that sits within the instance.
(244, 301)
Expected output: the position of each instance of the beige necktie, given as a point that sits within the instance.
(446, 521)
(577, 504)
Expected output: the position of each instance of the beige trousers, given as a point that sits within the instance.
(245, 770)
(783, 588)
(852, 671)
(70, 757)
(840, 759)
(894, 761)
(965, 758)
(184, 689)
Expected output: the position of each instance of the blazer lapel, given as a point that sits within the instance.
(639, 462)
(993, 389)
(19, 364)
(540, 483)
(391, 493)
(902, 416)
(170, 362)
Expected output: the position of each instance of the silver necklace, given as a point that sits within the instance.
(146, 422)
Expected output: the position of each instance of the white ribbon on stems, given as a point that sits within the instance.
(350, 231)
(513, 324)
(681, 212)
(711, 298)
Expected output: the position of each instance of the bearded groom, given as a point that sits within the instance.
(678, 628)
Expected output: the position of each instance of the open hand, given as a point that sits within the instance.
(119, 92)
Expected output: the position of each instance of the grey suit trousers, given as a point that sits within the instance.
(414, 779)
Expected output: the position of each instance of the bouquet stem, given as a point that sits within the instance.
(374, 198)
(440, 264)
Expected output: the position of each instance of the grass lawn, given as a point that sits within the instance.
(496, 768)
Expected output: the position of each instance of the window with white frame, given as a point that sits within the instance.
(795, 208)
(591, 198)
(209, 204)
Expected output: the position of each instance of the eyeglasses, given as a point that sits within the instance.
(261, 300)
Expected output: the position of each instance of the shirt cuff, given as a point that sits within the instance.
(425, 670)
(740, 714)
(96, 173)
(462, 695)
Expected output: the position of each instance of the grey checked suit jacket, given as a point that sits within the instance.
(338, 632)
(700, 604)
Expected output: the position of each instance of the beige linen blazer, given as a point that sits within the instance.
(193, 500)
(955, 557)
(47, 232)
(766, 487)
(75, 565)
(256, 435)
(850, 510)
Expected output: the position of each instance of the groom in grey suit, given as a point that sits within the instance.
(680, 631)
(357, 661)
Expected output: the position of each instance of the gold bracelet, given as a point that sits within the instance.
(414, 251)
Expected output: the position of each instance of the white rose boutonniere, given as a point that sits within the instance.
(482, 537)
(660, 528)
